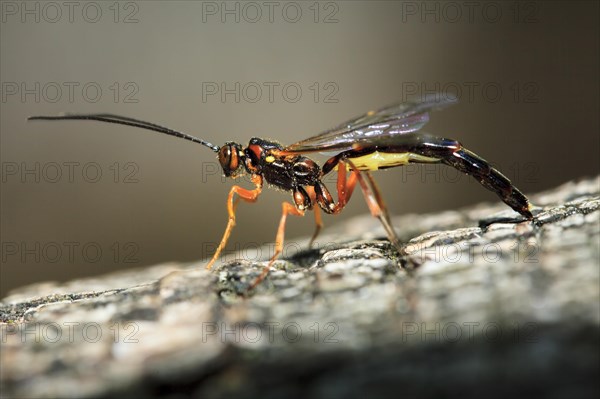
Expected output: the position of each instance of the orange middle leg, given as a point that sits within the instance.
(246, 195)
(288, 209)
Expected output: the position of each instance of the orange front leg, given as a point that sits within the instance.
(246, 195)
(288, 209)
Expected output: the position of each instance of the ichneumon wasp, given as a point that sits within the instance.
(380, 139)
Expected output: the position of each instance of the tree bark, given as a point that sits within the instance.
(480, 309)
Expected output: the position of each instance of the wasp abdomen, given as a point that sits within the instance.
(489, 177)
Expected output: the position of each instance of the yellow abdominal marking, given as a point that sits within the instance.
(270, 159)
(378, 160)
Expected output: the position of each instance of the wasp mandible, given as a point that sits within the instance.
(380, 139)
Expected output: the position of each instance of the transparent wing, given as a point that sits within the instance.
(374, 126)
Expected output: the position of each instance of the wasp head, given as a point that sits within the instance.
(231, 158)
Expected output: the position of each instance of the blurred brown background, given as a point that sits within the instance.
(84, 198)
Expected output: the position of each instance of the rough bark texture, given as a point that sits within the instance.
(512, 308)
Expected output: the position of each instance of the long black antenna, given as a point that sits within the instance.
(123, 120)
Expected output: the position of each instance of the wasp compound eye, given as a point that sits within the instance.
(229, 159)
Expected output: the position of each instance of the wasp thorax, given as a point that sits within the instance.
(229, 158)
